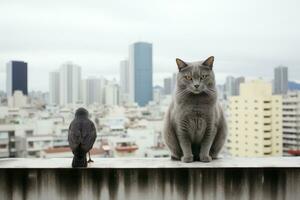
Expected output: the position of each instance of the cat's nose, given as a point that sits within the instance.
(196, 86)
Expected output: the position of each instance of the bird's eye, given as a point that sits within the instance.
(188, 77)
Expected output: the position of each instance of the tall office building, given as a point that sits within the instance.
(255, 121)
(168, 87)
(70, 84)
(140, 73)
(16, 77)
(280, 80)
(92, 91)
(54, 88)
(291, 122)
(124, 80)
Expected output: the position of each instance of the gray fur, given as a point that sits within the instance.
(195, 127)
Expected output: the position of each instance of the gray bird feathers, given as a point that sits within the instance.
(82, 135)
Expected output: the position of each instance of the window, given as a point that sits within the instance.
(29, 132)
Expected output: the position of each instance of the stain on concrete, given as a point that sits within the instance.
(160, 183)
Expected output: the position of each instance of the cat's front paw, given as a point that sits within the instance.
(187, 159)
(214, 156)
(205, 158)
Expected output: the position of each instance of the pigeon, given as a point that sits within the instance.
(82, 135)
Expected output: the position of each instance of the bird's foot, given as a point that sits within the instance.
(90, 160)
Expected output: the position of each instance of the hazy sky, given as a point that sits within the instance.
(247, 37)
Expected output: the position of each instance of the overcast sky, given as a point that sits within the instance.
(248, 38)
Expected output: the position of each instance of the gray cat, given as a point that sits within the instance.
(195, 128)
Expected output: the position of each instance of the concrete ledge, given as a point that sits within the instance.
(230, 178)
(134, 163)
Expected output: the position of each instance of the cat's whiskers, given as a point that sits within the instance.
(210, 91)
(182, 92)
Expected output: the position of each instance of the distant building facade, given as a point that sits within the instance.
(291, 122)
(232, 86)
(280, 80)
(255, 121)
(17, 77)
(70, 84)
(237, 83)
(174, 80)
(54, 89)
(168, 87)
(7, 144)
(124, 81)
(229, 86)
(17, 100)
(111, 94)
(92, 91)
(140, 73)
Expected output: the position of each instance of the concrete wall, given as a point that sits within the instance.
(150, 183)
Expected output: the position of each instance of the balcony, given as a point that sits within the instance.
(128, 178)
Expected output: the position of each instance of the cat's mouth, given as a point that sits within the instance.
(200, 92)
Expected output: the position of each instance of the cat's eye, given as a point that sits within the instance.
(188, 77)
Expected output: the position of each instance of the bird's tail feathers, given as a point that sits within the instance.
(79, 159)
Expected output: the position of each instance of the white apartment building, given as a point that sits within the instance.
(255, 121)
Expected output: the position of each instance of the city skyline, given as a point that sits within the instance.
(117, 77)
(95, 35)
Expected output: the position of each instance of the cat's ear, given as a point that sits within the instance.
(209, 62)
(180, 64)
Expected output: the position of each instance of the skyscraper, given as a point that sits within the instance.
(280, 80)
(54, 88)
(92, 91)
(70, 83)
(16, 77)
(124, 80)
(255, 121)
(140, 73)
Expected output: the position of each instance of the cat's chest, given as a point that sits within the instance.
(195, 113)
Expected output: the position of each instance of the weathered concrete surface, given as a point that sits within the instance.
(260, 162)
(238, 178)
